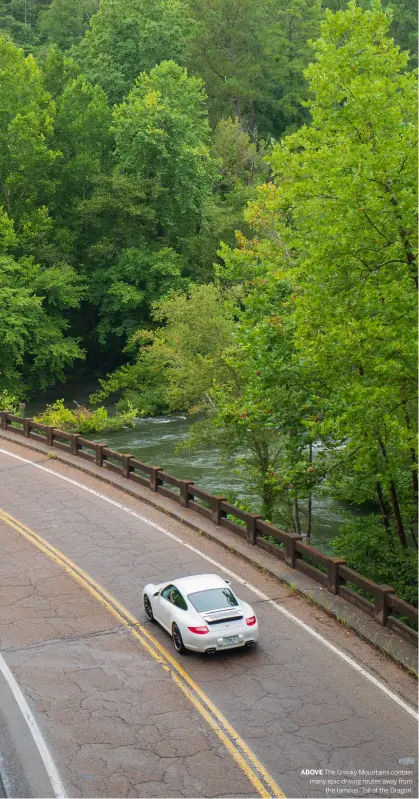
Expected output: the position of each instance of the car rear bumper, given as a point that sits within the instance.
(215, 642)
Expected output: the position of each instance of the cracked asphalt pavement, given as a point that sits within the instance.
(116, 723)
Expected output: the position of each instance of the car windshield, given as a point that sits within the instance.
(213, 599)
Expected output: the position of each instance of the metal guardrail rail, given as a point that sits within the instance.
(380, 602)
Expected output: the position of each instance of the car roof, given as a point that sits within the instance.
(199, 582)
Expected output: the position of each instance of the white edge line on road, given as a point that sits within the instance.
(335, 649)
(37, 736)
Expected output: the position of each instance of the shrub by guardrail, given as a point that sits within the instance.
(330, 572)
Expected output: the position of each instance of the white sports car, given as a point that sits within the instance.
(201, 613)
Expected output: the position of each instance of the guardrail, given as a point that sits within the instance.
(380, 602)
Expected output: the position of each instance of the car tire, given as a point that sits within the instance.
(148, 609)
(177, 640)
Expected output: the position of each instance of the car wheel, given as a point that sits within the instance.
(148, 609)
(177, 640)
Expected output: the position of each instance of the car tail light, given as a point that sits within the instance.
(198, 630)
(250, 621)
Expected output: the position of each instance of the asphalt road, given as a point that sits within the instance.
(116, 721)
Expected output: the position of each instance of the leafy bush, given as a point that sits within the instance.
(83, 420)
(370, 551)
(8, 402)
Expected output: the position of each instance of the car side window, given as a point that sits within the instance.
(166, 591)
(174, 596)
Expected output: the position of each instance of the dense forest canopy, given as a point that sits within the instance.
(212, 205)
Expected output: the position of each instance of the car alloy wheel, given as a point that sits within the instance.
(177, 639)
(148, 609)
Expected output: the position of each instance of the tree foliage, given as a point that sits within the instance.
(36, 283)
(64, 22)
(127, 37)
(163, 172)
(338, 223)
(35, 349)
(162, 137)
(18, 19)
(252, 57)
(176, 363)
(132, 136)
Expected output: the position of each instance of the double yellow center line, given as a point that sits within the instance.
(238, 749)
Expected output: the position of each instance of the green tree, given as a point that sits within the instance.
(82, 136)
(341, 208)
(37, 285)
(127, 37)
(64, 22)
(404, 22)
(226, 53)
(404, 26)
(264, 413)
(242, 167)
(18, 20)
(252, 56)
(162, 177)
(26, 158)
(286, 52)
(162, 140)
(35, 350)
(176, 363)
(58, 68)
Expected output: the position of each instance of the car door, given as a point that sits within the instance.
(172, 606)
(160, 605)
(166, 607)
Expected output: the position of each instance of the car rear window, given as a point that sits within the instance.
(213, 599)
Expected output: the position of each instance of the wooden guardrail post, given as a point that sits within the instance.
(50, 436)
(3, 419)
(216, 512)
(99, 454)
(73, 442)
(154, 477)
(251, 527)
(290, 553)
(125, 464)
(26, 423)
(333, 578)
(381, 606)
(184, 497)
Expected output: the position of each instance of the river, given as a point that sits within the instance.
(154, 441)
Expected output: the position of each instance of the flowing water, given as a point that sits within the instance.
(154, 441)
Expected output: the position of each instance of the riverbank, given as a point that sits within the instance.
(154, 440)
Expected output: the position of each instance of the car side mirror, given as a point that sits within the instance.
(157, 593)
(228, 582)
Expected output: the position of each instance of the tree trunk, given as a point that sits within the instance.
(413, 459)
(268, 501)
(385, 513)
(397, 514)
(415, 540)
(309, 517)
(297, 523)
(261, 450)
(309, 502)
(414, 476)
(252, 116)
(236, 108)
(395, 503)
